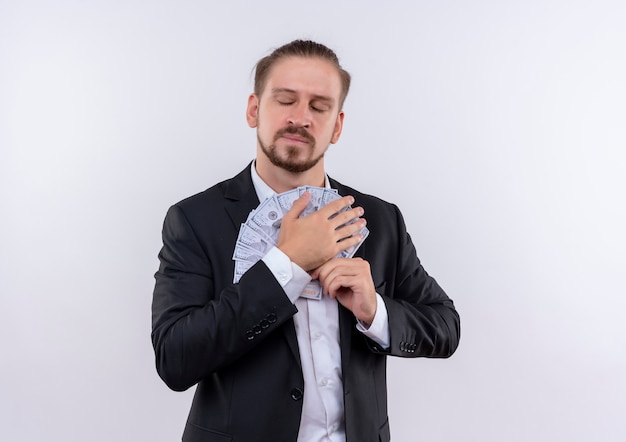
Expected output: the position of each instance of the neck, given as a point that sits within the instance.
(281, 180)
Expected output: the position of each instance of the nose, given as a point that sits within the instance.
(300, 115)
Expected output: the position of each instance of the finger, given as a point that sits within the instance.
(326, 281)
(346, 266)
(334, 269)
(325, 269)
(298, 206)
(347, 216)
(336, 206)
(348, 242)
(347, 230)
(336, 283)
(315, 274)
(340, 283)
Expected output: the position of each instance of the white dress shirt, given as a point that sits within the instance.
(317, 332)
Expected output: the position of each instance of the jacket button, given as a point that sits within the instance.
(296, 394)
(271, 318)
(250, 335)
(256, 329)
(264, 323)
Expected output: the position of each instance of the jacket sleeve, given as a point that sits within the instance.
(422, 319)
(196, 331)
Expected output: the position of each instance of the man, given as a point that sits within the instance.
(270, 363)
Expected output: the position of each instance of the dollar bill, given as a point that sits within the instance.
(349, 253)
(267, 218)
(254, 239)
(241, 267)
(286, 199)
(313, 290)
(329, 196)
(260, 231)
(315, 203)
(244, 253)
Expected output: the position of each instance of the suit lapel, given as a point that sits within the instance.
(346, 318)
(346, 325)
(241, 200)
(241, 197)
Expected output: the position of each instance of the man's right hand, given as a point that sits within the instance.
(314, 239)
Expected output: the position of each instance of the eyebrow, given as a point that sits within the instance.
(279, 90)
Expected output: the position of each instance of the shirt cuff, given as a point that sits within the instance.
(291, 277)
(378, 330)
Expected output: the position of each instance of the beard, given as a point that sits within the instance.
(291, 161)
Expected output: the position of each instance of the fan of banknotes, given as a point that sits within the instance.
(260, 231)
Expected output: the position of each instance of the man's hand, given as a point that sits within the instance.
(349, 280)
(312, 240)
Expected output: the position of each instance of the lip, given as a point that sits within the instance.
(295, 139)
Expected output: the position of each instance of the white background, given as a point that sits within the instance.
(499, 128)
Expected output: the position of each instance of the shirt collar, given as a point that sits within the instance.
(263, 191)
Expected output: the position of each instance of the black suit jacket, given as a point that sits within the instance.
(238, 341)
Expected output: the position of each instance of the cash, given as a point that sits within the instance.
(260, 231)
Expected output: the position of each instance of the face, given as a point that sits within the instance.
(297, 114)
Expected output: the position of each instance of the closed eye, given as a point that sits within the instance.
(318, 109)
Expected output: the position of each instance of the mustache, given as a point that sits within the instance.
(295, 130)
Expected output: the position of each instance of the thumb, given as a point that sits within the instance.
(314, 274)
(298, 206)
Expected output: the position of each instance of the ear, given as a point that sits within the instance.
(338, 127)
(252, 111)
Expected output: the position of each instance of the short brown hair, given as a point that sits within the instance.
(300, 48)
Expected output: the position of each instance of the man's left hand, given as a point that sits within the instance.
(349, 280)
